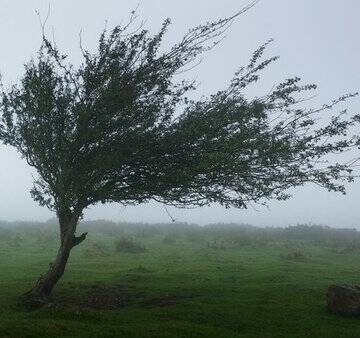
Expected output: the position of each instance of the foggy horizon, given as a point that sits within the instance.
(316, 41)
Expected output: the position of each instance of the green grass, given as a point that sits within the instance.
(229, 290)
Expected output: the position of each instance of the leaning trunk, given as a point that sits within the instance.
(40, 293)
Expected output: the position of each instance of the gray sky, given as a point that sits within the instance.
(316, 40)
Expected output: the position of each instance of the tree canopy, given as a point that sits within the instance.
(121, 128)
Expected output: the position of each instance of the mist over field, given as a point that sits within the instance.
(219, 280)
(315, 40)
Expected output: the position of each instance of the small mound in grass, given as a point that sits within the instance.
(128, 245)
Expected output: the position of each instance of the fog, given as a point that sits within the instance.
(316, 40)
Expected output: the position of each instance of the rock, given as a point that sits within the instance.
(344, 300)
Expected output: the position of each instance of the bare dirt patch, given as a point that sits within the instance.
(160, 301)
(109, 297)
(97, 297)
(165, 300)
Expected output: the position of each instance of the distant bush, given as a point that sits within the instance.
(7, 235)
(46, 234)
(96, 250)
(141, 269)
(102, 226)
(216, 244)
(294, 256)
(194, 235)
(147, 231)
(15, 242)
(169, 239)
(322, 235)
(347, 249)
(128, 245)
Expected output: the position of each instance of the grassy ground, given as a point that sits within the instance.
(182, 285)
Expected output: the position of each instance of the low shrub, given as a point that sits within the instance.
(168, 239)
(129, 245)
(15, 242)
(216, 245)
(96, 249)
(194, 235)
(294, 256)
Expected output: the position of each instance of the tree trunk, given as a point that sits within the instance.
(40, 293)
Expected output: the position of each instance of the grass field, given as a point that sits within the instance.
(180, 281)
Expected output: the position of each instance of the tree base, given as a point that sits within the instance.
(33, 300)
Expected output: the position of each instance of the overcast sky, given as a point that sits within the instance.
(316, 40)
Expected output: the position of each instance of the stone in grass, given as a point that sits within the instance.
(344, 300)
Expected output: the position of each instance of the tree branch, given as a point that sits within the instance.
(77, 240)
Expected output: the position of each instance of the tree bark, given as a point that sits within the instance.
(40, 294)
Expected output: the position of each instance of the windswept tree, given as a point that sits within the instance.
(121, 127)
